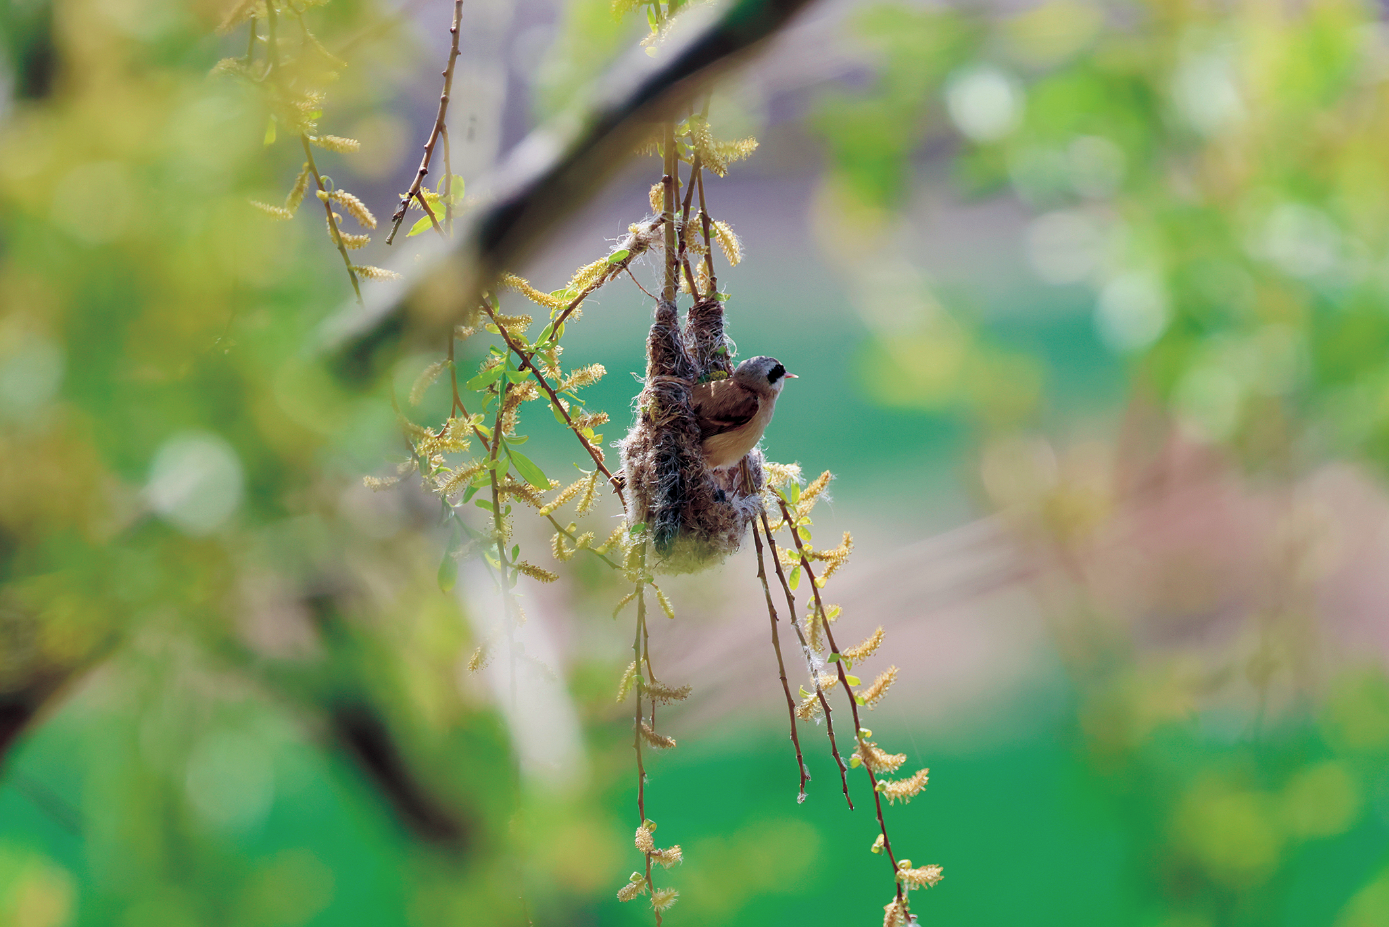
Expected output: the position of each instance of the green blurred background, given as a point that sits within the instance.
(1088, 302)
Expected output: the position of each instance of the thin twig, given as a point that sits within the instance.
(780, 665)
(528, 363)
(848, 689)
(328, 206)
(814, 676)
(414, 191)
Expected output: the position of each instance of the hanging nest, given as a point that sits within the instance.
(695, 516)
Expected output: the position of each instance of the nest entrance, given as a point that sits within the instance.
(695, 516)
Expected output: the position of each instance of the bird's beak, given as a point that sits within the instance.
(790, 376)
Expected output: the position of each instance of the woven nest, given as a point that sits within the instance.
(695, 516)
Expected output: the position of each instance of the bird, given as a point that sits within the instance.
(733, 412)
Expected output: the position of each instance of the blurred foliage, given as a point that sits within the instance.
(234, 679)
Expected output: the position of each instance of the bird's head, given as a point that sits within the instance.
(762, 374)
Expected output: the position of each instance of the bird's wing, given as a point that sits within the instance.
(723, 406)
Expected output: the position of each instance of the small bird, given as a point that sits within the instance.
(734, 412)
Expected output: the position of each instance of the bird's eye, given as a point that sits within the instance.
(776, 373)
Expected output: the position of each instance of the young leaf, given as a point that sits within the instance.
(795, 579)
(423, 225)
(851, 679)
(448, 572)
(486, 378)
(618, 256)
(528, 470)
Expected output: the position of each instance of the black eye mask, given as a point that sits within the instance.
(776, 373)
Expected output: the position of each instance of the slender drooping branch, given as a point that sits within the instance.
(814, 676)
(780, 664)
(434, 133)
(328, 205)
(528, 364)
(848, 689)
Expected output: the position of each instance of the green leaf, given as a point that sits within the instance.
(270, 131)
(486, 431)
(619, 256)
(470, 492)
(804, 532)
(804, 694)
(448, 572)
(795, 578)
(423, 225)
(834, 658)
(859, 700)
(795, 493)
(852, 679)
(500, 465)
(483, 504)
(515, 551)
(855, 762)
(517, 376)
(486, 378)
(518, 439)
(528, 470)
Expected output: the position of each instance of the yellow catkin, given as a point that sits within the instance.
(425, 380)
(336, 143)
(589, 495)
(568, 493)
(514, 323)
(621, 8)
(659, 741)
(732, 247)
(705, 146)
(644, 841)
(874, 693)
(779, 475)
(736, 150)
(668, 857)
(658, 197)
(663, 898)
(583, 376)
(457, 480)
(614, 538)
(274, 212)
(587, 275)
(478, 660)
(525, 492)
(368, 272)
(894, 914)
(875, 759)
(923, 877)
(664, 694)
(523, 286)
(301, 186)
(559, 549)
(631, 890)
(665, 602)
(623, 604)
(904, 790)
(811, 493)
(354, 207)
(867, 648)
(535, 572)
(590, 420)
(624, 686)
(378, 483)
(353, 242)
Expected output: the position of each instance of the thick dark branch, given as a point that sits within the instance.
(557, 169)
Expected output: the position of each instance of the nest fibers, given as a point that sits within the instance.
(694, 515)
